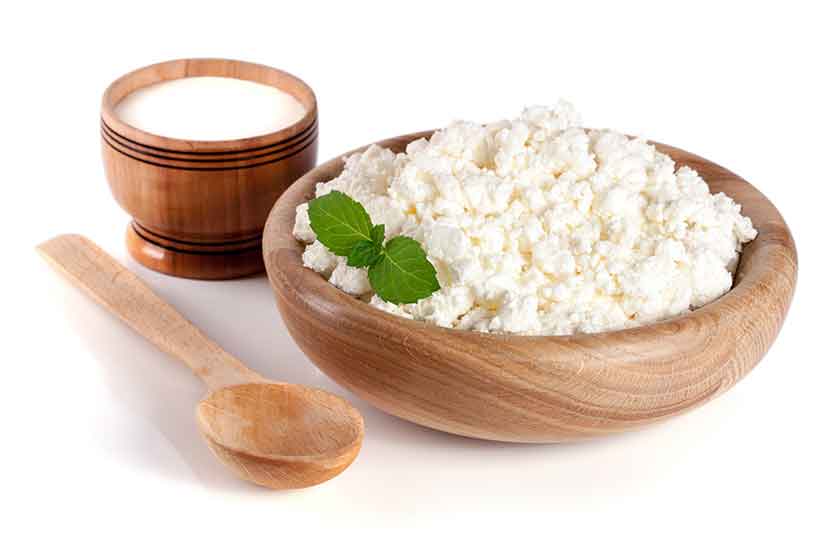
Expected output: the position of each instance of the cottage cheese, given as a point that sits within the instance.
(537, 226)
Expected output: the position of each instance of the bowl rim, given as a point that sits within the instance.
(206, 66)
(771, 254)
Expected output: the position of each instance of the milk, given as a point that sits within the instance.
(209, 108)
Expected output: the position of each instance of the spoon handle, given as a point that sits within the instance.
(127, 297)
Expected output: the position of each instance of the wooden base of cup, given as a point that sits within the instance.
(194, 260)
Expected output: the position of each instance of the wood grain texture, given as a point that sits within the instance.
(277, 435)
(537, 388)
(199, 206)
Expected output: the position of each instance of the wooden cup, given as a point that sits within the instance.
(199, 207)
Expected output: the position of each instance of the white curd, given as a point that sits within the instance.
(536, 226)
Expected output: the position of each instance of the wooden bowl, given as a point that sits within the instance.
(537, 388)
(199, 207)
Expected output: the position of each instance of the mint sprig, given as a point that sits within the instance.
(398, 271)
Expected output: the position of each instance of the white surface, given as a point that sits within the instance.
(208, 108)
(99, 444)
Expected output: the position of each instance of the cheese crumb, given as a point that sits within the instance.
(537, 226)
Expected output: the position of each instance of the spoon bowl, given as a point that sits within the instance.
(281, 435)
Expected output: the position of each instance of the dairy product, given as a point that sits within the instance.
(537, 226)
(209, 108)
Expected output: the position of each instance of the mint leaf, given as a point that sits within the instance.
(339, 222)
(364, 253)
(404, 275)
(377, 234)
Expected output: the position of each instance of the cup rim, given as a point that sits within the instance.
(194, 67)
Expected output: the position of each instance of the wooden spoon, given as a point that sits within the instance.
(274, 434)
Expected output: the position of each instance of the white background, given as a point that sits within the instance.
(98, 441)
